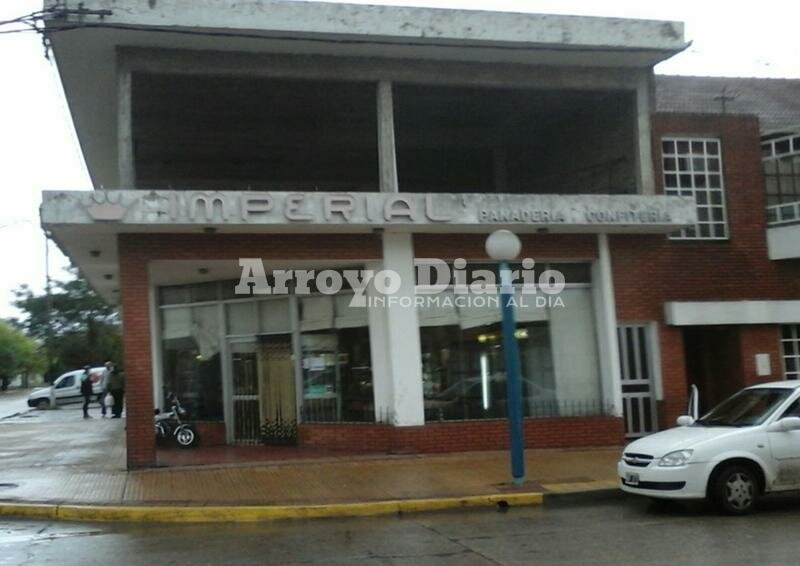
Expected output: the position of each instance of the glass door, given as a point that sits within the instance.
(278, 392)
(245, 392)
(263, 391)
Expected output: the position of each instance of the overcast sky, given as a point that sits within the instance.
(38, 148)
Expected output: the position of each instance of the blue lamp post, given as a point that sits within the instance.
(504, 246)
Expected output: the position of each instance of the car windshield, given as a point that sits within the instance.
(749, 407)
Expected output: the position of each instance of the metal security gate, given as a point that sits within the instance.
(638, 391)
(263, 391)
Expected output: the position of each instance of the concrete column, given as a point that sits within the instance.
(605, 309)
(125, 163)
(394, 339)
(382, 387)
(644, 154)
(387, 155)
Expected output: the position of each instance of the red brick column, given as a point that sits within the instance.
(134, 297)
(673, 376)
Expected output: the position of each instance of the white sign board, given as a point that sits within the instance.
(362, 209)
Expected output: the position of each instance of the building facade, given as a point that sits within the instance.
(313, 140)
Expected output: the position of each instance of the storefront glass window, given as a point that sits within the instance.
(464, 370)
(191, 353)
(337, 375)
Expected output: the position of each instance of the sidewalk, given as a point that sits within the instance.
(82, 466)
(458, 478)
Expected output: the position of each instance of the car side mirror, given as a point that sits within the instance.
(685, 420)
(786, 424)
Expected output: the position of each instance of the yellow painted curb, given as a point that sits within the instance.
(29, 510)
(253, 513)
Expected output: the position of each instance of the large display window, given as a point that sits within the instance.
(464, 370)
(191, 356)
(336, 363)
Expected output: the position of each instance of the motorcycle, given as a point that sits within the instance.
(169, 425)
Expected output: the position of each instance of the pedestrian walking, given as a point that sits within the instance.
(86, 391)
(116, 386)
(104, 377)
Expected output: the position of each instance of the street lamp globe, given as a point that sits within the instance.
(503, 245)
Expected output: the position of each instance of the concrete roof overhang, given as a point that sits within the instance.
(86, 46)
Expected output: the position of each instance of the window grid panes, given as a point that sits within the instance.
(790, 345)
(782, 176)
(693, 168)
(778, 147)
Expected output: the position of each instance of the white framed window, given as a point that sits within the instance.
(693, 168)
(790, 346)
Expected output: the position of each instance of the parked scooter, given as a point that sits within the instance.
(170, 426)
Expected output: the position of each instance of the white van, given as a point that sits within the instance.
(66, 389)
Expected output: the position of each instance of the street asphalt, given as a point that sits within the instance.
(13, 402)
(614, 530)
(620, 531)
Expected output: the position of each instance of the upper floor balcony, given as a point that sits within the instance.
(318, 96)
(277, 134)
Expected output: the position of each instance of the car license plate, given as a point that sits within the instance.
(632, 479)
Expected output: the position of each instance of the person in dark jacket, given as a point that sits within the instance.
(86, 391)
(116, 386)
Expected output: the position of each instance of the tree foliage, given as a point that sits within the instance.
(75, 325)
(18, 354)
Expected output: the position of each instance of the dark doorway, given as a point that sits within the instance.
(713, 362)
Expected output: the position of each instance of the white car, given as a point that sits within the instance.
(66, 389)
(745, 447)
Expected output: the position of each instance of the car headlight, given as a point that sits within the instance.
(677, 458)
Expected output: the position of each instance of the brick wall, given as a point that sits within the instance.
(760, 339)
(651, 270)
(211, 433)
(460, 436)
(537, 246)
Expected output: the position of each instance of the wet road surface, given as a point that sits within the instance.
(13, 402)
(620, 531)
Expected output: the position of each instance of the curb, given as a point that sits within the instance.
(254, 513)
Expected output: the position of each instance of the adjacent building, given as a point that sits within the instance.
(310, 136)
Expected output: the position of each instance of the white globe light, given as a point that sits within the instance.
(503, 245)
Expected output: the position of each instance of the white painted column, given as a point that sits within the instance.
(606, 321)
(387, 158)
(644, 154)
(382, 389)
(401, 352)
(394, 329)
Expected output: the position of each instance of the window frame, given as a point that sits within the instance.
(678, 190)
(794, 338)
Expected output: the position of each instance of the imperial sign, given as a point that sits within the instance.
(363, 209)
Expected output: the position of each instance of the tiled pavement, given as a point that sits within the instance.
(64, 459)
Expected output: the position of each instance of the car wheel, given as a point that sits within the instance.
(735, 490)
(43, 404)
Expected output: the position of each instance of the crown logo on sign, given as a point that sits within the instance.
(103, 207)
